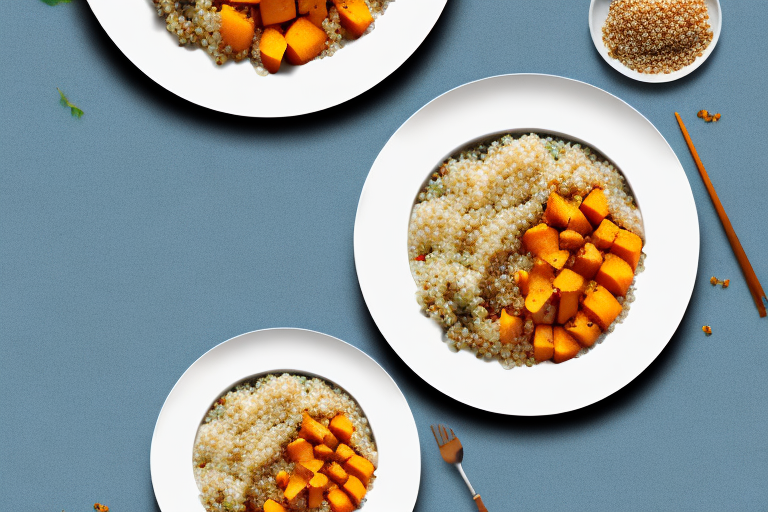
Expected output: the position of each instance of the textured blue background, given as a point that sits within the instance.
(138, 237)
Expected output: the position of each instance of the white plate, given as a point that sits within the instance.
(598, 12)
(538, 103)
(296, 351)
(235, 88)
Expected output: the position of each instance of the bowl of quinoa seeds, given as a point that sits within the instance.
(240, 445)
(465, 234)
(657, 36)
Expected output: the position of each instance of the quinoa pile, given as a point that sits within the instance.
(464, 236)
(239, 448)
(657, 36)
(197, 23)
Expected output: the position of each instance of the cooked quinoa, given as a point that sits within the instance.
(197, 23)
(657, 36)
(464, 236)
(239, 448)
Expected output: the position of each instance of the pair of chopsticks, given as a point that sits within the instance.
(754, 285)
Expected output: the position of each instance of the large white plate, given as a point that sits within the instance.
(598, 13)
(297, 351)
(235, 88)
(539, 103)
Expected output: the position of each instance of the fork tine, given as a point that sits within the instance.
(452, 434)
(445, 434)
(435, 434)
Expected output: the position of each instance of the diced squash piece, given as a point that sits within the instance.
(312, 430)
(305, 41)
(339, 501)
(331, 441)
(318, 13)
(579, 223)
(539, 286)
(360, 467)
(342, 428)
(354, 15)
(273, 506)
(303, 6)
(296, 484)
(272, 48)
(571, 240)
(277, 11)
(510, 327)
(541, 239)
(237, 29)
(595, 206)
(355, 489)
(343, 453)
(569, 281)
(336, 473)
(308, 468)
(615, 275)
(601, 306)
(568, 306)
(282, 479)
(317, 486)
(628, 246)
(543, 343)
(323, 452)
(300, 450)
(521, 278)
(605, 234)
(332, 486)
(584, 330)
(562, 214)
(250, 2)
(545, 315)
(557, 259)
(565, 346)
(588, 261)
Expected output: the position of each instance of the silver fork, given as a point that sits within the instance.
(453, 453)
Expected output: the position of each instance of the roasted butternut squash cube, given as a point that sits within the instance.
(565, 346)
(569, 281)
(628, 246)
(539, 286)
(342, 428)
(360, 467)
(355, 489)
(343, 453)
(595, 206)
(281, 479)
(605, 234)
(336, 473)
(296, 484)
(339, 501)
(588, 261)
(510, 327)
(354, 15)
(562, 214)
(318, 13)
(521, 278)
(317, 486)
(277, 11)
(307, 469)
(568, 306)
(273, 506)
(305, 41)
(557, 259)
(330, 441)
(300, 450)
(236, 29)
(601, 306)
(543, 343)
(584, 330)
(547, 314)
(323, 452)
(541, 240)
(615, 275)
(272, 47)
(571, 240)
(312, 430)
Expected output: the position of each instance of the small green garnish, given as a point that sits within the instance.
(56, 2)
(76, 112)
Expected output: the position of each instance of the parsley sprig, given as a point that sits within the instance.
(76, 112)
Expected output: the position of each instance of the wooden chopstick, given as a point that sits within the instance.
(754, 285)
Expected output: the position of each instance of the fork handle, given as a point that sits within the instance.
(479, 503)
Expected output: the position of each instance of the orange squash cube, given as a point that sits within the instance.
(323, 452)
(318, 13)
(584, 330)
(562, 214)
(569, 281)
(569, 305)
(317, 486)
(236, 29)
(272, 47)
(588, 261)
(521, 278)
(510, 327)
(343, 453)
(307, 469)
(565, 346)
(273, 506)
(601, 306)
(615, 275)
(339, 501)
(300, 450)
(539, 286)
(360, 467)
(305, 41)
(355, 489)
(342, 428)
(296, 484)
(595, 206)
(628, 246)
(541, 240)
(282, 479)
(312, 430)
(354, 15)
(547, 314)
(571, 240)
(277, 11)
(336, 473)
(605, 234)
(557, 259)
(543, 343)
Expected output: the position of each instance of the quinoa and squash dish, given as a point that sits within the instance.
(525, 249)
(286, 442)
(269, 31)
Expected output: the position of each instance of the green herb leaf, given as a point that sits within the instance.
(56, 2)
(76, 112)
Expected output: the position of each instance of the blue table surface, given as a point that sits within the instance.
(134, 239)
